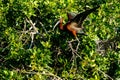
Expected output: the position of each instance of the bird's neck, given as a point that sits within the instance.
(61, 24)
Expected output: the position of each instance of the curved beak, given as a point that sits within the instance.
(56, 25)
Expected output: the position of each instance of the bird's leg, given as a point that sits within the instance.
(77, 44)
(77, 39)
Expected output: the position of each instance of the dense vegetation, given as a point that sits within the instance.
(31, 49)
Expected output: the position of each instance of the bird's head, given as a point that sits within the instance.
(61, 23)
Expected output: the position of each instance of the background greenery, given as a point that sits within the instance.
(49, 56)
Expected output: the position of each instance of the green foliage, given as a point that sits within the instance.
(48, 54)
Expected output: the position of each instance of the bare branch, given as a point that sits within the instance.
(32, 25)
(32, 30)
(24, 26)
(77, 44)
(74, 51)
(43, 27)
(32, 38)
(44, 72)
(105, 74)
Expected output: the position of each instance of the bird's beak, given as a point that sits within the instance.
(58, 22)
(56, 25)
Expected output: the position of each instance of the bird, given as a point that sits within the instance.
(71, 15)
(75, 21)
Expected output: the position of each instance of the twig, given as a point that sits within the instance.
(44, 72)
(70, 45)
(32, 25)
(5, 48)
(32, 38)
(74, 51)
(2, 58)
(77, 44)
(32, 30)
(24, 30)
(105, 74)
(43, 27)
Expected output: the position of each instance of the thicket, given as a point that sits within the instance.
(31, 49)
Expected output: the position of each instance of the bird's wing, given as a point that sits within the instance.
(71, 15)
(82, 16)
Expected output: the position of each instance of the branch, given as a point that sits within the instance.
(32, 25)
(104, 45)
(32, 30)
(43, 27)
(74, 51)
(24, 30)
(44, 72)
(32, 38)
(105, 74)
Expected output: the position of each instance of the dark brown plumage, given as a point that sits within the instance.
(75, 21)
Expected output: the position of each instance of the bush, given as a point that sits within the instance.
(31, 49)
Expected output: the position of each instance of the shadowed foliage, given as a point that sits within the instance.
(30, 47)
